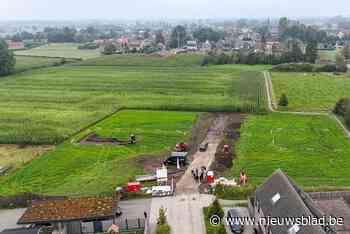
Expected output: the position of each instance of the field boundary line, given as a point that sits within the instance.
(347, 132)
(73, 135)
(269, 90)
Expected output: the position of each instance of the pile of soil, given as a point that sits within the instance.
(224, 160)
(93, 138)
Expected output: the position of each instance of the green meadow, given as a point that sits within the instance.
(76, 169)
(46, 106)
(313, 150)
(310, 91)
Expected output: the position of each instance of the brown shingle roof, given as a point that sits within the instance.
(69, 210)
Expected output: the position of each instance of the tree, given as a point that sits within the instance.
(341, 63)
(283, 100)
(109, 49)
(178, 37)
(346, 51)
(342, 106)
(160, 37)
(203, 34)
(7, 59)
(311, 52)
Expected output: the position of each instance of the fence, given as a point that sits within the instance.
(329, 195)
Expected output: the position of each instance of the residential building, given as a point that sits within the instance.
(279, 197)
(73, 216)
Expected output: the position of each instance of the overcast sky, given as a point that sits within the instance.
(160, 9)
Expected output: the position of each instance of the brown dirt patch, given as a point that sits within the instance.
(224, 161)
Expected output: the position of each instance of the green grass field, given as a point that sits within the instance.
(327, 54)
(310, 91)
(313, 150)
(24, 63)
(63, 50)
(48, 105)
(75, 169)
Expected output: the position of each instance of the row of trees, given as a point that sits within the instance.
(7, 59)
(293, 29)
(179, 36)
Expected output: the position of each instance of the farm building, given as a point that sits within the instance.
(13, 45)
(73, 216)
(280, 197)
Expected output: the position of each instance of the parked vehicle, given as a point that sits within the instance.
(203, 147)
(236, 227)
(176, 156)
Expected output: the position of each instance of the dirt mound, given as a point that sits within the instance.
(93, 138)
(224, 160)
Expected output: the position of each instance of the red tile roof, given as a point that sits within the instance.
(69, 210)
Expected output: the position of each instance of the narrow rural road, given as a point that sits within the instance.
(185, 209)
(272, 105)
(187, 184)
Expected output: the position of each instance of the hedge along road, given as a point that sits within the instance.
(272, 105)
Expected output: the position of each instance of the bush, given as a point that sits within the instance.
(216, 209)
(283, 100)
(89, 46)
(342, 106)
(234, 193)
(163, 229)
(162, 225)
(347, 118)
(109, 49)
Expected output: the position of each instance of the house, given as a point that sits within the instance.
(191, 46)
(14, 45)
(279, 197)
(73, 215)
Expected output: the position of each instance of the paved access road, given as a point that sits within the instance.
(9, 218)
(185, 210)
(184, 213)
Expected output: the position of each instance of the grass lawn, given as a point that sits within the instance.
(64, 50)
(75, 169)
(313, 150)
(311, 91)
(48, 105)
(327, 54)
(16, 156)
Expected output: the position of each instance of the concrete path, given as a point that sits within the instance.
(272, 105)
(9, 218)
(187, 185)
(184, 213)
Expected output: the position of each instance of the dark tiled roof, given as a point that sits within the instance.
(290, 203)
(21, 231)
(69, 210)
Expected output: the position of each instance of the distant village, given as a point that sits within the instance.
(265, 41)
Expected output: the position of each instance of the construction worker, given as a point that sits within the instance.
(132, 139)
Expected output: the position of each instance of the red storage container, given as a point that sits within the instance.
(134, 187)
(210, 177)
